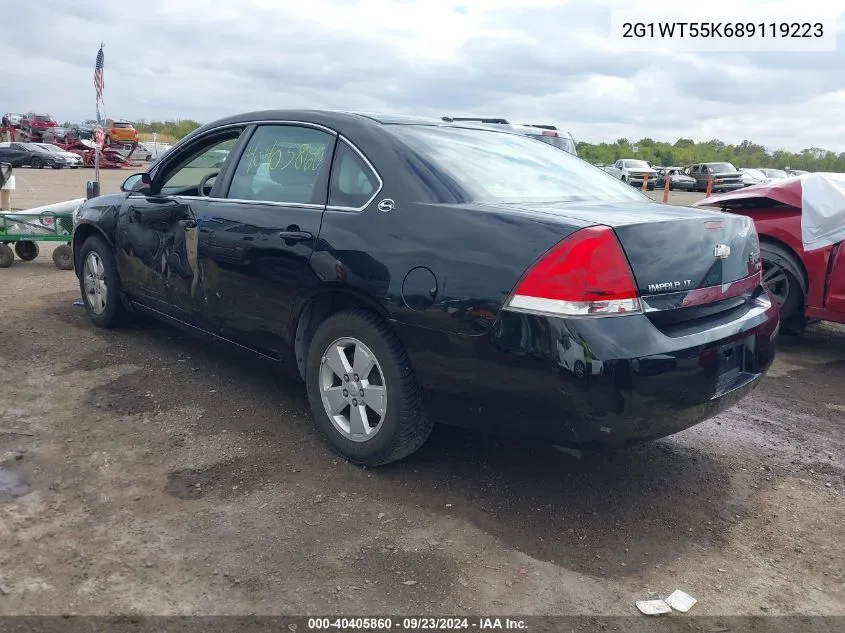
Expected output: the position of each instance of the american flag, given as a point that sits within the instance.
(98, 74)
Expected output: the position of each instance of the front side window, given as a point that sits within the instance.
(282, 163)
(202, 164)
(498, 166)
(353, 182)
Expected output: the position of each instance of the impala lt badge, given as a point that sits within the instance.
(722, 251)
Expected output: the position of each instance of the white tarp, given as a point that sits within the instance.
(822, 210)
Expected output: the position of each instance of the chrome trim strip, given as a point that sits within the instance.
(267, 203)
(675, 300)
(268, 122)
(317, 126)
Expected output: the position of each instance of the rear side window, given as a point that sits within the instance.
(353, 183)
(281, 163)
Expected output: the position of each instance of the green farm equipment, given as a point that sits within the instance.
(25, 230)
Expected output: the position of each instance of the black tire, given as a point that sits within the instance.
(56, 166)
(114, 313)
(405, 426)
(36, 163)
(27, 251)
(580, 370)
(63, 257)
(792, 298)
(7, 256)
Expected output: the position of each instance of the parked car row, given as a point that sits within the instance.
(695, 177)
(38, 156)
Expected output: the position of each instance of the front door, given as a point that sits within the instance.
(255, 242)
(156, 237)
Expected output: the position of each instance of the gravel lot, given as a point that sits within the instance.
(142, 470)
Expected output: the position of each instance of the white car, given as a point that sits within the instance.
(150, 151)
(753, 176)
(774, 174)
(634, 171)
(74, 160)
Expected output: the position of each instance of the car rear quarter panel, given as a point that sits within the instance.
(446, 267)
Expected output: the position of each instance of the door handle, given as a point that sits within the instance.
(293, 234)
(188, 224)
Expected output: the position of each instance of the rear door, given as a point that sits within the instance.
(256, 241)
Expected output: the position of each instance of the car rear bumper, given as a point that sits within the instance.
(634, 382)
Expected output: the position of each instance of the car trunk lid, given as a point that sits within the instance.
(682, 258)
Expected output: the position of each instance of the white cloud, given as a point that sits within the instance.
(534, 60)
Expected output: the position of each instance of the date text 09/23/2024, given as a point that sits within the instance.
(416, 624)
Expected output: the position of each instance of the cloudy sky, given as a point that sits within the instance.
(540, 61)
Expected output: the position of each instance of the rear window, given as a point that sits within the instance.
(508, 167)
(561, 142)
(121, 124)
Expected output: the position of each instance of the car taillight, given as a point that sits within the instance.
(585, 274)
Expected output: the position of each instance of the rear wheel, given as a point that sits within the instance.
(781, 277)
(63, 257)
(27, 251)
(363, 393)
(99, 283)
(7, 256)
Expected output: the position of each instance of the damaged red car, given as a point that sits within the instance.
(801, 224)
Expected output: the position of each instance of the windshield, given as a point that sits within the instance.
(50, 147)
(755, 173)
(43, 117)
(775, 173)
(508, 167)
(721, 168)
(636, 163)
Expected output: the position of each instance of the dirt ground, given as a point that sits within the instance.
(144, 471)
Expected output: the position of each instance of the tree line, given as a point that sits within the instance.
(684, 151)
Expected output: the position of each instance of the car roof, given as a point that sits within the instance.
(336, 118)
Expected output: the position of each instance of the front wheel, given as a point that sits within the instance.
(7, 256)
(36, 163)
(99, 283)
(363, 393)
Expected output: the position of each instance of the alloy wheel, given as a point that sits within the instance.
(96, 290)
(352, 389)
(776, 280)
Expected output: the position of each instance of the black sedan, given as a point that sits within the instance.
(678, 180)
(411, 270)
(34, 155)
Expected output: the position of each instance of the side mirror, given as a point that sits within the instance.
(137, 183)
